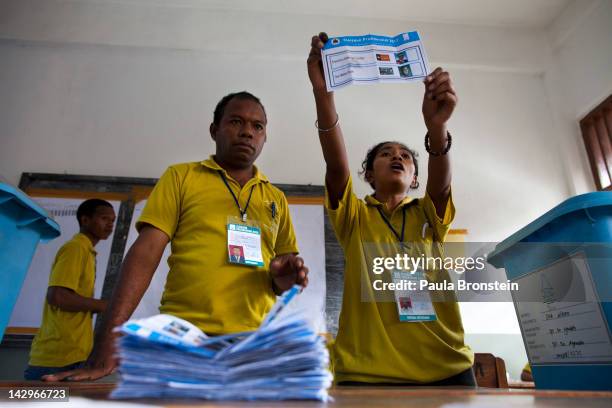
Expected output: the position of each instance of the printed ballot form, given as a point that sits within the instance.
(373, 58)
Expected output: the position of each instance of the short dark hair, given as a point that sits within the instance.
(220, 108)
(368, 163)
(88, 208)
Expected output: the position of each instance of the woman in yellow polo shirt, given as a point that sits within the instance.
(376, 343)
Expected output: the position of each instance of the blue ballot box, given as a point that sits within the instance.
(23, 224)
(563, 264)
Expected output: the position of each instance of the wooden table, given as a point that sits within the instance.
(389, 397)
(521, 384)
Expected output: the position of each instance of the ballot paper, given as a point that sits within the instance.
(372, 58)
(166, 357)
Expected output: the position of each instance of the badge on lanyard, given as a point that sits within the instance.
(413, 303)
(244, 242)
(243, 236)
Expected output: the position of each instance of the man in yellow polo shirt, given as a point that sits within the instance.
(204, 209)
(65, 337)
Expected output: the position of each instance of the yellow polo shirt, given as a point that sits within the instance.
(191, 204)
(372, 345)
(67, 337)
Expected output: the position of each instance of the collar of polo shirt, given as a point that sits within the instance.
(82, 238)
(370, 200)
(212, 164)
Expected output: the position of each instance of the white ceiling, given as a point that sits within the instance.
(511, 13)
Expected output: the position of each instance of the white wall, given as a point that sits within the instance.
(121, 88)
(124, 88)
(578, 77)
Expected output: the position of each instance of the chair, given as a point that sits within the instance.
(490, 371)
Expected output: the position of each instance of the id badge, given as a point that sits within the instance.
(244, 242)
(413, 304)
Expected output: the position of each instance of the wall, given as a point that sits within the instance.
(124, 89)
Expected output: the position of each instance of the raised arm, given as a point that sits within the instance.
(439, 102)
(137, 270)
(330, 134)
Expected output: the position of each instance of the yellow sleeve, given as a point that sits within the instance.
(285, 240)
(343, 219)
(68, 266)
(163, 205)
(439, 225)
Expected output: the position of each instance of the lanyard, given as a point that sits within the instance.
(243, 213)
(399, 237)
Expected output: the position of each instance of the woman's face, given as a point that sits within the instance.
(393, 168)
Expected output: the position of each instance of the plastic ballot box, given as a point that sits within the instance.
(562, 263)
(23, 224)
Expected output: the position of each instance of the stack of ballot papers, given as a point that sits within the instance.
(167, 357)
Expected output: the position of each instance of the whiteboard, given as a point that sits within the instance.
(28, 308)
(308, 222)
(309, 230)
(149, 305)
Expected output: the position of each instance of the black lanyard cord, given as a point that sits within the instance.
(242, 212)
(399, 237)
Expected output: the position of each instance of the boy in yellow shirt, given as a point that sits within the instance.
(65, 337)
(204, 209)
(375, 342)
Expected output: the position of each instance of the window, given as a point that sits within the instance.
(597, 135)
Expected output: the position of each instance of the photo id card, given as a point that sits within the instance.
(413, 304)
(244, 243)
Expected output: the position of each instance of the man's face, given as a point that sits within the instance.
(241, 133)
(100, 225)
(236, 251)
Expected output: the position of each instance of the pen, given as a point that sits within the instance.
(424, 229)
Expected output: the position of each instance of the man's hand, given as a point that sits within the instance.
(287, 270)
(439, 100)
(315, 66)
(100, 364)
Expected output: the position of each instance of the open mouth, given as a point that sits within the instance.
(397, 166)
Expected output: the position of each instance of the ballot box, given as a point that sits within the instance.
(23, 224)
(562, 263)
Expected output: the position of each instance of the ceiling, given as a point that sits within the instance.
(510, 13)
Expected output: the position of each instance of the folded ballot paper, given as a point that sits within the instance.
(365, 59)
(167, 357)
